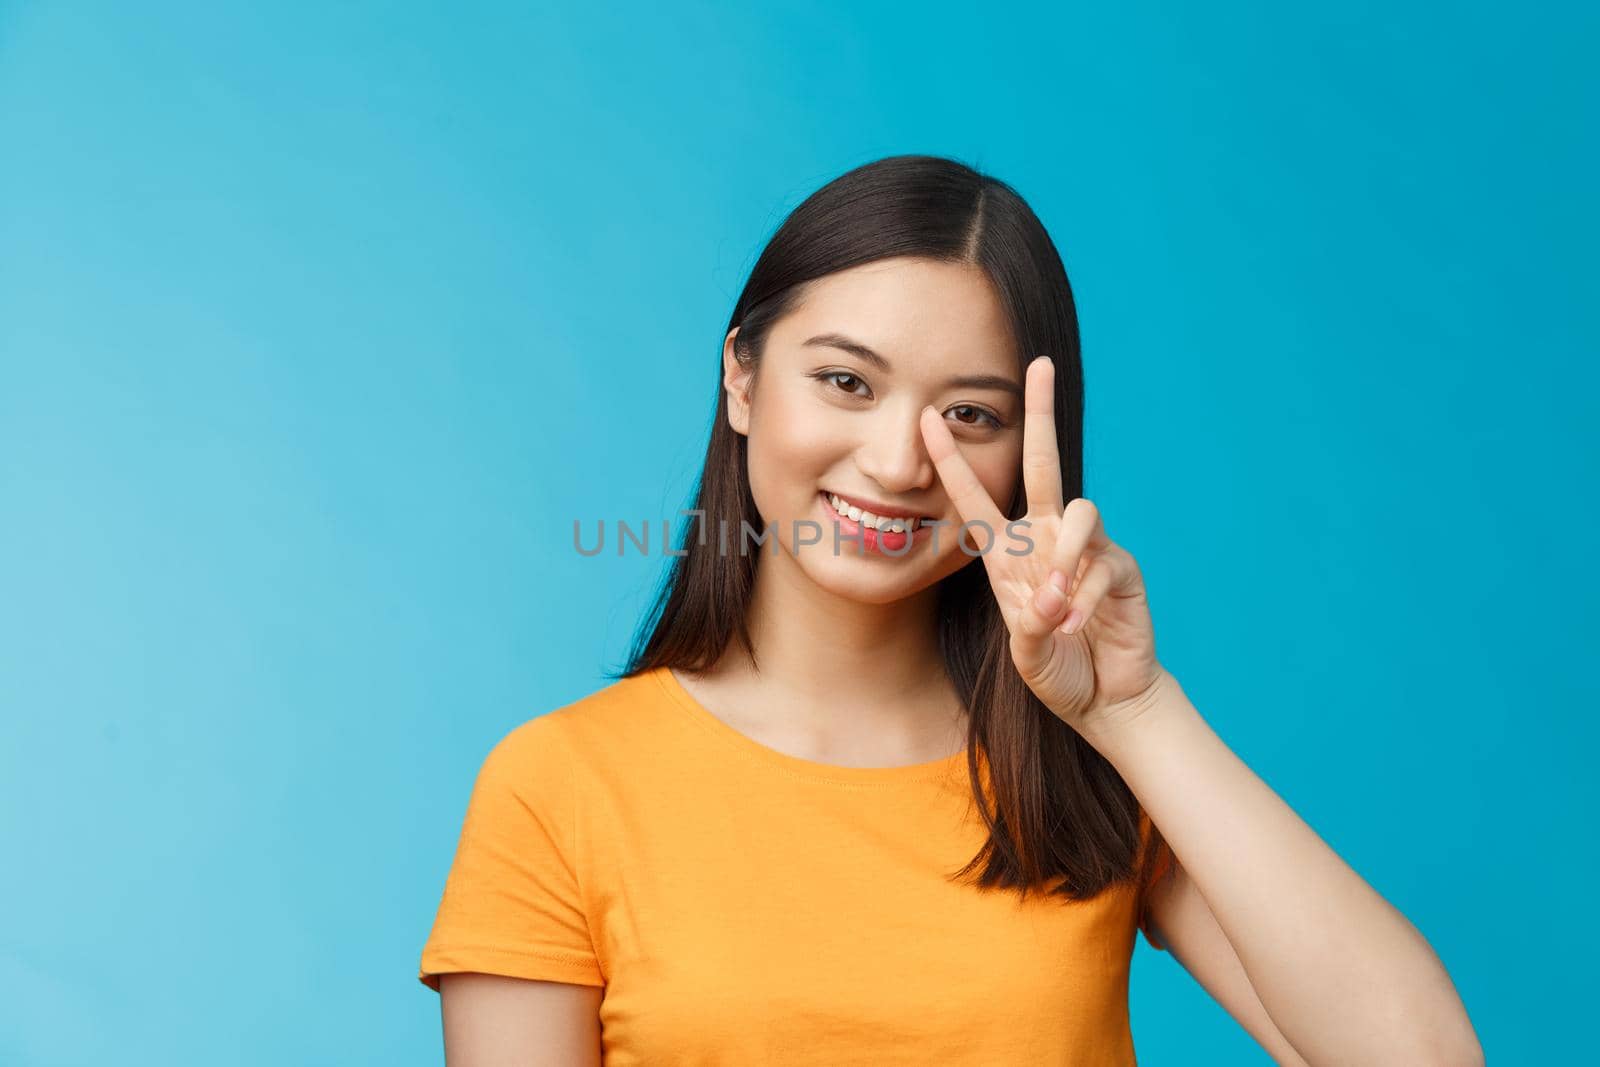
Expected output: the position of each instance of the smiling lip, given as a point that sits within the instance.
(872, 540)
(883, 511)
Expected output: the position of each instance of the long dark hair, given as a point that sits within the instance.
(1061, 813)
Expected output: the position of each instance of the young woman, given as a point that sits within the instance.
(894, 772)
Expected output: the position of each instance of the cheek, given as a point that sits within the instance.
(1001, 476)
(792, 434)
(791, 446)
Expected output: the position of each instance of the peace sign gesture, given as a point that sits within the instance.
(1075, 602)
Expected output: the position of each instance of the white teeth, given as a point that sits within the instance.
(867, 518)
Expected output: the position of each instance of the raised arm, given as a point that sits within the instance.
(1343, 975)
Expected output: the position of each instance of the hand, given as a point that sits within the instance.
(1075, 603)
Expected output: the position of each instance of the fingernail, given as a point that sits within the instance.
(1059, 580)
(1074, 620)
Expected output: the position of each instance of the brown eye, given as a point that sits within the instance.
(842, 380)
(977, 416)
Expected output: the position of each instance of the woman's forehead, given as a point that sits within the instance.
(916, 314)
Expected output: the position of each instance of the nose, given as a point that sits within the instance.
(893, 454)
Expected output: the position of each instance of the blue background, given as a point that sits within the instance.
(320, 323)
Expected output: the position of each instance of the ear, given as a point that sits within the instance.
(737, 379)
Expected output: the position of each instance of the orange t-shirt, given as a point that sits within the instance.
(740, 905)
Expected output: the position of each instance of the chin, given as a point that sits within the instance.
(863, 580)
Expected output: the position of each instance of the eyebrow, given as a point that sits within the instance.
(965, 381)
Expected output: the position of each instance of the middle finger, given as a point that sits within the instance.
(1041, 457)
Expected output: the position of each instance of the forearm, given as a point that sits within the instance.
(1345, 977)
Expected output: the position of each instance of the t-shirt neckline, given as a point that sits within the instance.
(827, 772)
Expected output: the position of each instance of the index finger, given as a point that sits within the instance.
(970, 497)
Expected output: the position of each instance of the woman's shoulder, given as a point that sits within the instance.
(623, 715)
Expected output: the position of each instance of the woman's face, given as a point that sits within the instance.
(824, 418)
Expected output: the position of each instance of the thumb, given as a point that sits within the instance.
(1045, 610)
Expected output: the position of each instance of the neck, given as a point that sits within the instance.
(854, 669)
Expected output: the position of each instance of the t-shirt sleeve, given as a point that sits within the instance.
(1156, 862)
(512, 903)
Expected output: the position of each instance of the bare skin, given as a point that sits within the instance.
(493, 1020)
(850, 672)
